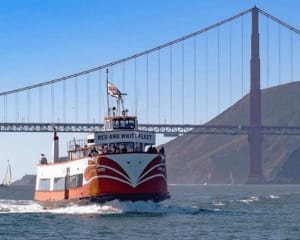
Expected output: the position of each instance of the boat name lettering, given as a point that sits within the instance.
(125, 136)
(102, 137)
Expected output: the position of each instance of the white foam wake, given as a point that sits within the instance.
(19, 206)
(113, 207)
(249, 200)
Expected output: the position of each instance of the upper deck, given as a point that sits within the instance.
(120, 123)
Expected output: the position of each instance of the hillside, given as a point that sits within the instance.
(22, 189)
(194, 158)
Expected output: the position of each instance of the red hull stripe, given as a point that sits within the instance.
(154, 162)
(108, 162)
(127, 182)
(111, 177)
(151, 177)
(149, 170)
(116, 171)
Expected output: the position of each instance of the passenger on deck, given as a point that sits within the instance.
(94, 152)
(162, 150)
(123, 148)
(105, 151)
(112, 148)
(43, 159)
(152, 149)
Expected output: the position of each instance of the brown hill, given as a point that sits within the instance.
(194, 158)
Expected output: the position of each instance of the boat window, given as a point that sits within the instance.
(131, 124)
(138, 147)
(116, 124)
(59, 183)
(75, 181)
(44, 184)
(91, 140)
(123, 124)
(129, 147)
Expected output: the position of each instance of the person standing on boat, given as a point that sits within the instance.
(43, 159)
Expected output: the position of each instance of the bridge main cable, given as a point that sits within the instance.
(127, 58)
(282, 23)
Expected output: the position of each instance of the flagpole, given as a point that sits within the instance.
(108, 111)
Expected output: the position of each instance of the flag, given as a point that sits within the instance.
(112, 90)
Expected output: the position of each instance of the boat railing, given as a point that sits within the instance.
(76, 144)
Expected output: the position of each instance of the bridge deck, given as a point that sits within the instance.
(166, 129)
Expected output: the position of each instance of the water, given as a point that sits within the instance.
(193, 212)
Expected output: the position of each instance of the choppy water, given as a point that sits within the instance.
(193, 212)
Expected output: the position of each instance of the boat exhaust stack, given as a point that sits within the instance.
(55, 147)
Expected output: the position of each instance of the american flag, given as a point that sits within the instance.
(113, 90)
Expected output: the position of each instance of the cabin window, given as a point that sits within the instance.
(44, 184)
(123, 124)
(91, 140)
(59, 183)
(138, 147)
(116, 124)
(131, 124)
(75, 181)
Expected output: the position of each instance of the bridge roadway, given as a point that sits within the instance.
(169, 130)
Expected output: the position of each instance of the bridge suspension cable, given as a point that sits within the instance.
(218, 36)
(135, 89)
(17, 107)
(64, 101)
(147, 88)
(267, 49)
(76, 99)
(159, 84)
(99, 94)
(291, 57)
(195, 79)
(88, 97)
(28, 106)
(182, 80)
(230, 79)
(206, 76)
(171, 84)
(52, 102)
(279, 55)
(242, 52)
(41, 104)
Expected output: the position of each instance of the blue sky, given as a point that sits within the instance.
(43, 40)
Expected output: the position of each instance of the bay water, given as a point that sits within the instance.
(193, 212)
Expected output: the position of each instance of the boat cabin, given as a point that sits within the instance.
(120, 135)
(120, 122)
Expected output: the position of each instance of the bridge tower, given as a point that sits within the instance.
(255, 138)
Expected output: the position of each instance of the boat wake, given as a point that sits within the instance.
(19, 206)
(113, 207)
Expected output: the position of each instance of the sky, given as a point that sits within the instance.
(43, 40)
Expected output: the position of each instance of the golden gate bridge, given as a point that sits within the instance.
(175, 87)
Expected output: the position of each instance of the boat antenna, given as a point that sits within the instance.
(107, 94)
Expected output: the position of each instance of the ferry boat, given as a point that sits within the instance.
(118, 162)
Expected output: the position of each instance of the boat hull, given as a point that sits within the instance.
(125, 177)
(101, 199)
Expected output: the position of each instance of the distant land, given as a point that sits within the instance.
(22, 189)
(194, 158)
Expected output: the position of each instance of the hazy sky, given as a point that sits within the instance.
(42, 40)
